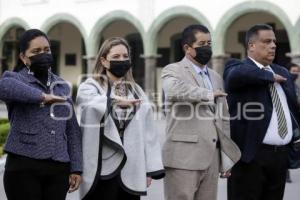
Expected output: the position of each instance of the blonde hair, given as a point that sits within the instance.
(99, 71)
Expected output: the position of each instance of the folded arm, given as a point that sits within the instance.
(12, 89)
(177, 89)
(238, 75)
(88, 95)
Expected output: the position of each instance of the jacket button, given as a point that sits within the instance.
(52, 132)
(214, 140)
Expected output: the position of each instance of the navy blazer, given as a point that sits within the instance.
(37, 131)
(248, 88)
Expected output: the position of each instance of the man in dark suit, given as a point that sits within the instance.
(261, 101)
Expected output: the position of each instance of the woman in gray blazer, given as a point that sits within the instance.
(44, 156)
(121, 151)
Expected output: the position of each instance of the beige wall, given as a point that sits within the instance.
(118, 28)
(70, 42)
(172, 27)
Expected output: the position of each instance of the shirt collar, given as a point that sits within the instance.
(260, 65)
(200, 70)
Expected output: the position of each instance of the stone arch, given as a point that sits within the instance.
(166, 16)
(248, 7)
(103, 22)
(67, 18)
(12, 22)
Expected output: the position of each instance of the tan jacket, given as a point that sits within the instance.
(194, 121)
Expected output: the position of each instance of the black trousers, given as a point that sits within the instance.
(36, 185)
(111, 190)
(261, 179)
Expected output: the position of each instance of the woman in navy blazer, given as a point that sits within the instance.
(44, 155)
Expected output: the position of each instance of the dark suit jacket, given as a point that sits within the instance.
(248, 88)
(34, 132)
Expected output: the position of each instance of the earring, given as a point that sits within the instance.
(29, 72)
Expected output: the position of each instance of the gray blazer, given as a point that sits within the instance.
(35, 132)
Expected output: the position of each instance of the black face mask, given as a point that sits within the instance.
(41, 65)
(119, 67)
(203, 54)
(294, 77)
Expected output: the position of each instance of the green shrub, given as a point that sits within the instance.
(4, 129)
(3, 121)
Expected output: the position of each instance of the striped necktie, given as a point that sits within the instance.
(281, 120)
(206, 80)
(207, 85)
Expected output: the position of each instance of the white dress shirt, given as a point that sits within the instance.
(272, 136)
(204, 75)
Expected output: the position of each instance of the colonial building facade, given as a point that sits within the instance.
(77, 28)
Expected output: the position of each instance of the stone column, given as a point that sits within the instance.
(90, 63)
(218, 63)
(295, 57)
(150, 74)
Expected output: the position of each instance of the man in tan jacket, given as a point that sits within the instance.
(197, 146)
